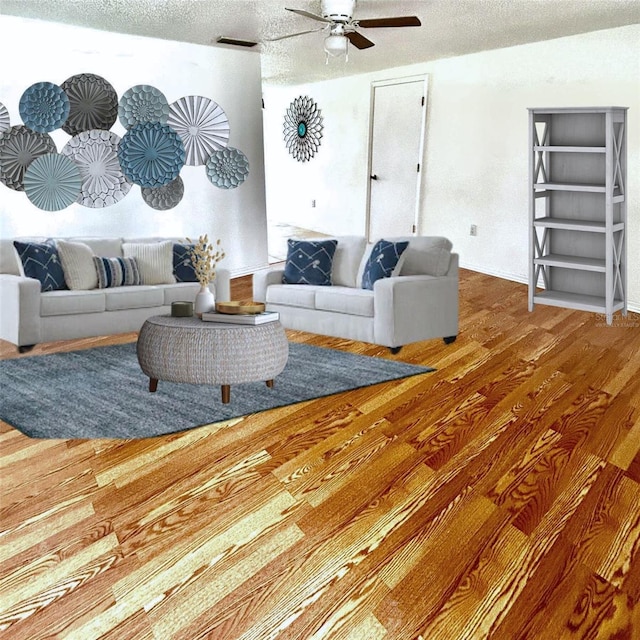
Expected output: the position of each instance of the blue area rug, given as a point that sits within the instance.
(102, 393)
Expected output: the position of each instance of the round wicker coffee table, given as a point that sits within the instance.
(190, 350)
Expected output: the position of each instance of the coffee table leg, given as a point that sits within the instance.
(270, 384)
(226, 393)
(153, 384)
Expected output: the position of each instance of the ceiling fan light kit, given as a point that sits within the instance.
(336, 45)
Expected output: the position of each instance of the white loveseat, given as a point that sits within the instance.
(29, 316)
(418, 304)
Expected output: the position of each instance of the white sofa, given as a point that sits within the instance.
(29, 316)
(418, 304)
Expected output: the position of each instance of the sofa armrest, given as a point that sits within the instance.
(19, 309)
(262, 279)
(414, 308)
(222, 285)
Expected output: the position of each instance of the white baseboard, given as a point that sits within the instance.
(514, 277)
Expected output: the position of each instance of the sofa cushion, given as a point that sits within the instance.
(40, 260)
(77, 264)
(155, 260)
(381, 262)
(292, 295)
(140, 297)
(180, 292)
(116, 272)
(309, 262)
(70, 302)
(349, 300)
(426, 255)
(347, 259)
(109, 247)
(183, 268)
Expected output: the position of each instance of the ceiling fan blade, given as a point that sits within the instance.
(308, 14)
(293, 35)
(358, 40)
(404, 21)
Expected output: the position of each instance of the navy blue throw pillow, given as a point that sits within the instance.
(309, 262)
(382, 261)
(40, 260)
(182, 264)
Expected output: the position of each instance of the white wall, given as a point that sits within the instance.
(34, 51)
(476, 149)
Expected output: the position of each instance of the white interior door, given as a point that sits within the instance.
(398, 119)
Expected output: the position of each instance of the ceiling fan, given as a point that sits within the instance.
(337, 16)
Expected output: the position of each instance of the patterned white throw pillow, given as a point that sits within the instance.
(77, 263)
(155, 260)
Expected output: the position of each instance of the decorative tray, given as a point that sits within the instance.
(247, 308)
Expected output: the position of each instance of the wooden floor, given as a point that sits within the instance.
(498, 497)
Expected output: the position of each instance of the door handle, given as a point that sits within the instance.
(374, 177)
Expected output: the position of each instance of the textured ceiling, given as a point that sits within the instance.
(449, 27)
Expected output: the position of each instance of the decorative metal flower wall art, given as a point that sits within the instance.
(303, 128)
(52, 182)
(95, 153)
(93, 103)
(166, 197)
(160, 139)
(227, 168)
(5, 122)
(44, 107)
(142, 103)
(202, 124)
(19, 146)
(151, 154)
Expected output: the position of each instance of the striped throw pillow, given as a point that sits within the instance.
(116, 272)
(155, 260)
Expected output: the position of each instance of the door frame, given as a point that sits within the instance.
(424, 78)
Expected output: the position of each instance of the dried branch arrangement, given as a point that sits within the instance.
(205, 256)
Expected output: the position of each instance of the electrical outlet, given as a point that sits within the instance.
(473, 231)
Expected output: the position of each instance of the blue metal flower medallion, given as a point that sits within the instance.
(151, 154)
(44, 107)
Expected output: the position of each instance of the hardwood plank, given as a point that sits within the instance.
(496, 498)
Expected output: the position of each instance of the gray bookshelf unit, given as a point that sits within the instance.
(578, 209)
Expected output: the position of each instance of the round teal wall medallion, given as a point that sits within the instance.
(44, 107)
(151, 154)
(303, 128)
(52, 182)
